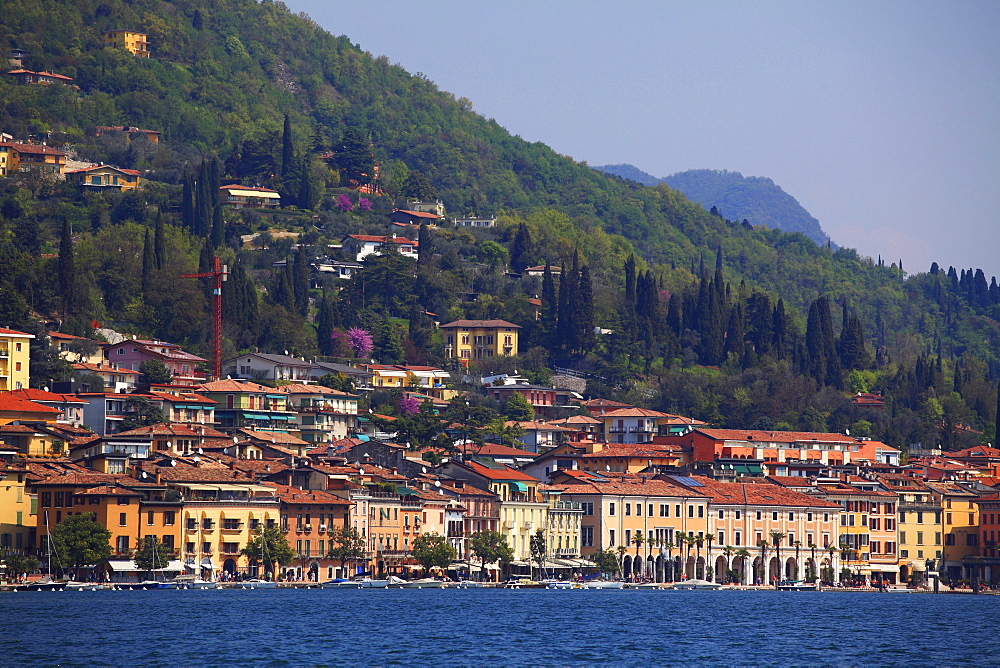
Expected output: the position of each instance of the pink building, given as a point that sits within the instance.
(183, 366)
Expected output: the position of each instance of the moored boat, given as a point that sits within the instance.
(258, 584)
(561, 585)
(341, 583)
(368, 583)
(697, 584)
(602, 584)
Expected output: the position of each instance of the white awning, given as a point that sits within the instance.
(884, 568)
(122, 566)
(207, 563)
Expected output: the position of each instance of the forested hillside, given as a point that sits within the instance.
(708, 316)
(756, 199)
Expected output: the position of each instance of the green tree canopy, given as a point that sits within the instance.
(432, 550)
(518, 408)
(489, 547)
(151, 554)
(269, 546)
(154, 372)
(80, 540)
(346, 544)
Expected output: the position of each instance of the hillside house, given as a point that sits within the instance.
(476, 222)
(104, 177)
(264, 366)
(130, 132)
(249, 197)
(407, 217)
(480, 339)
(14, 359)
(363, 245)
(18, 157)
(27, 77)
(182, 365)
(133, 42)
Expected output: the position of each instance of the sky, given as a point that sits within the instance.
(882, 118)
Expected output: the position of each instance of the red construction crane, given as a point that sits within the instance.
(220, 274)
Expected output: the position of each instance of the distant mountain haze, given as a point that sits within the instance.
(756, 198)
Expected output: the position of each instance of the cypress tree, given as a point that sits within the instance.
(325, 319)
(67, 268)
(306, 198)
(188, 201)
(159, 243)
(996, 424)
(300, 281)
(520, 249)
(585, 312)
(148, 261)
(287, 148)
(218, 227)
(780, 330)
(550, 306)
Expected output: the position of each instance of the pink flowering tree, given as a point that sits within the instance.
(360, 342)
(340, 344)
(409, 406)
(364, 204)
(344, 203)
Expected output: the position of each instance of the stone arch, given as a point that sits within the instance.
(627, 566)
(721, 569)
(791, 569)
(229, 566)
(773, 570)
(650, 571)
(659, 566)
(689, 567)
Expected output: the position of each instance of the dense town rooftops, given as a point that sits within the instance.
(12, 403)
(499, 472)
(629, 486)
(755, 494)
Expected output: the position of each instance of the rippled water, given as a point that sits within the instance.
(495, 627)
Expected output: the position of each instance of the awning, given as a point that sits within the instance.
(517, 486)
(122, 566)
(255, 416)
(207, 563)
(884, 568)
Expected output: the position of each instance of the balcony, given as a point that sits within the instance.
(232, 526)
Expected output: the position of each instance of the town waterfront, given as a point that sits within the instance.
(494, 627)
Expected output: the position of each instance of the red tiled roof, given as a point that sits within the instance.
(130, 172)
(757, 494)
(13, 332)
(10, 402)
(229, 385)
(628, 486)
(471, 324)
(417, 214)
(384, 239)
(104, 368)
(505, 473)
(775, 436)
(633, 412)
(499, 450)
(32, 394)
(32, 148)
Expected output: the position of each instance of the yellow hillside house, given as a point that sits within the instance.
(133, 42)
(14, 359)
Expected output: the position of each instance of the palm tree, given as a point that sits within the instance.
(728, 551)
(812, 550)
(709, 568)
(684, 541)
(832, 551)
(798, 546)
(638, 539)
(697, 551)
(762, 544)
(743, 555)
(621, 558)
(777, 537)
(669, 544)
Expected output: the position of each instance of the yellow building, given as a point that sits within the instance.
(960, 527)
(920, 527)
(17, 157)
(868, 532)
(133, 42)
(14, 359)
(104, 177)
(647, 521)
(17, 523)
(562, 530)
(480, 339)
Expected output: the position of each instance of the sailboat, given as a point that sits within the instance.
(261, 583)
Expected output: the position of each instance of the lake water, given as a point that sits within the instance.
(495, 627)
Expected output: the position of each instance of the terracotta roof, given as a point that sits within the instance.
(104, 368)
(636, 450)
(501, 474)
(173, 429)
(298, 496)
(236, 186)
(10, 402)
(299, 388)
(578, 419)
(13, 332)
(273, 437)
(474, 324)
(633, 412)
(34, 148)
(531, 424)
(498, 450)
(383, 239)
(32, 394)
(130, 172)
(418, 214)
(632, 486)
(776, 436)
(757, 494)
(229, 385)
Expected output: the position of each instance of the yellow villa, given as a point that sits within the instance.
(14, 364)
(133, 42)
(480, 339)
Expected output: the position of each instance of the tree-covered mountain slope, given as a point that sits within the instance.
(248, 92)
(756, 199)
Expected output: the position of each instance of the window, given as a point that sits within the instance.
(809, 517)
(628, 510)
(722, 514)
(690, 511)
(701, 511)
(739, 514)
(122, 519)
(149, 518)
(122, 545)
(738, 540)
(649, 510)
(677, 510)
(826, 517)
(759, 515)
(628, 537)
(721, 538)
(123, 500)
(638, 509)
(588, 507)
(611, 511)
(206, 548)
(774, 516)
(791, 517)
(611, 538)
(664, 510)
(168, 518)
(587, 536)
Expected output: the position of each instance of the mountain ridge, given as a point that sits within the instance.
(758, 199)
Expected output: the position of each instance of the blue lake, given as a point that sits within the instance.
(496, 627)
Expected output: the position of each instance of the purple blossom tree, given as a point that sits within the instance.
(364, 204)
(340, 344)
(409, 406)
(360, 341)
(344, 203)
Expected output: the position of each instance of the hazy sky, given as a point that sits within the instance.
(881, 118)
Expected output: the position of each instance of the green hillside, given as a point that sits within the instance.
(226, 74)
